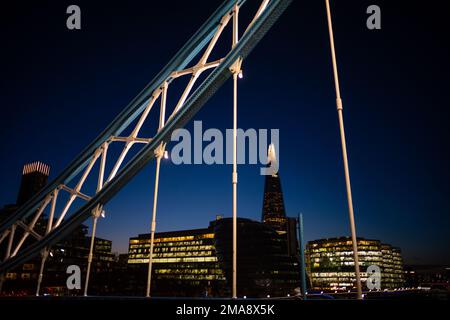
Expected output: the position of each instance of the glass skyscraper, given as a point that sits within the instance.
(273, 210)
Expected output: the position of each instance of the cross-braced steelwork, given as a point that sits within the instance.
(58, 198)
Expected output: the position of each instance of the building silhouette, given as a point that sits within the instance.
(34, 178)
(274, 212)
(265, 267)
(74, 249)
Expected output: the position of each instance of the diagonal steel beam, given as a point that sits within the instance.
(179, 62)
(192, 105)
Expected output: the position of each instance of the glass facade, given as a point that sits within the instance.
(330, 264)
(273, 210)
(184, 263)
(198, 262)
(264, 265)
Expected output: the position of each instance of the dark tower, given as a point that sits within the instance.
(34, 178)
(273, 212)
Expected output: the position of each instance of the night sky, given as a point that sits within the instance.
(59, 89)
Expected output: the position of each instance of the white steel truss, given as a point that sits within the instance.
(52, 200)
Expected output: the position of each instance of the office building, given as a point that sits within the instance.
(198, 262)
(34, 178)
(184, 263)
(330, 263)
(264, 265)
(274, 213)
(71, 250)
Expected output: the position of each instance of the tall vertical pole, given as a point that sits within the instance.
(153, 227)
(95, 216)
(159, 154)
(96, 213)
(344, 152)
(235, 70)
(44, 254)
(235, 187)
(302, 255)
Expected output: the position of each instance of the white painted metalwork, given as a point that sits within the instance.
(344, 152)
(96, 213)
(235, 70)
(53, 199)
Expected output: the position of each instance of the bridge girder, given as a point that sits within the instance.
(191, 101)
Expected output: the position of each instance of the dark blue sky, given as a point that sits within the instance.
(60, 88)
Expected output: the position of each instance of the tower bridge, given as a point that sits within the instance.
(18, 232)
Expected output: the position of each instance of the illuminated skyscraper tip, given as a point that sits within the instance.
(36, 167)
(272, 159)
